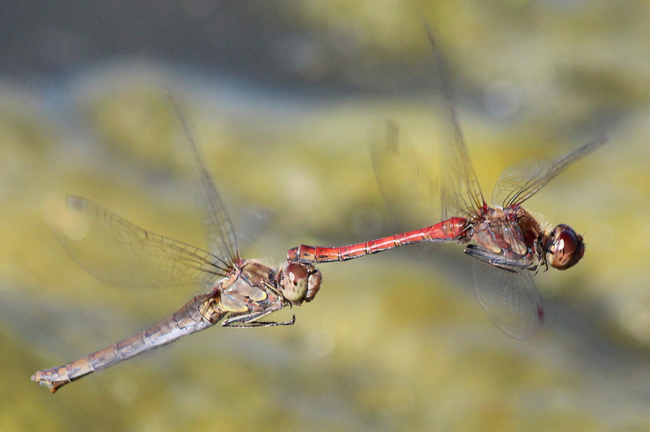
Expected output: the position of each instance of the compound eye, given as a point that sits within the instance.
(294, 282)
(567, 247)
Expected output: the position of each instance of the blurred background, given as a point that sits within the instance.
(284, 97)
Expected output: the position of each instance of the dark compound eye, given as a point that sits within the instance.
(567, 247)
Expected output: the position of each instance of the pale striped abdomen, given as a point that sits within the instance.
(450, 230)
(198, 314)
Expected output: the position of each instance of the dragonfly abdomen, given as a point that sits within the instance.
(450, 230)
(198, 314)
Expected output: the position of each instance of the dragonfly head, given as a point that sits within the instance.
(299, 282)
(565, 246)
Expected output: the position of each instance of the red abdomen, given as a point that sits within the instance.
(450, 230)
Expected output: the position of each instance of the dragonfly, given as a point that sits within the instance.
(241, 292)
(509, 244)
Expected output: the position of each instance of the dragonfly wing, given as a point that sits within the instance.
(219, 229)
(119, 253)
(461, 194)
(523, 180)
(404, 180)
(510, 300)
(252, 223)
(399, 168)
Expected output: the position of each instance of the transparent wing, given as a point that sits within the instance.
(461, 193)
(221, 235)
(119, 253)
(399, 168)
(521, 181)
(510, 300)
(252, 223)
(404, 180)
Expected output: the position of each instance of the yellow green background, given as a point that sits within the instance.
(393, 342)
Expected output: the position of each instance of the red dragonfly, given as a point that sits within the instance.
(117, 252)
(510, 245)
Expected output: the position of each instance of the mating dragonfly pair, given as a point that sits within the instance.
(509, 245)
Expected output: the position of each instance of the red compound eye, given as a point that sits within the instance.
(567, 247)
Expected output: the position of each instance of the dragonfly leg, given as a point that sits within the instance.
(501, 261)
(271, 288)
(251, 319)
(245, 324)
(539, 248)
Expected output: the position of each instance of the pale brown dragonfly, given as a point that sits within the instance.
(241, 291)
